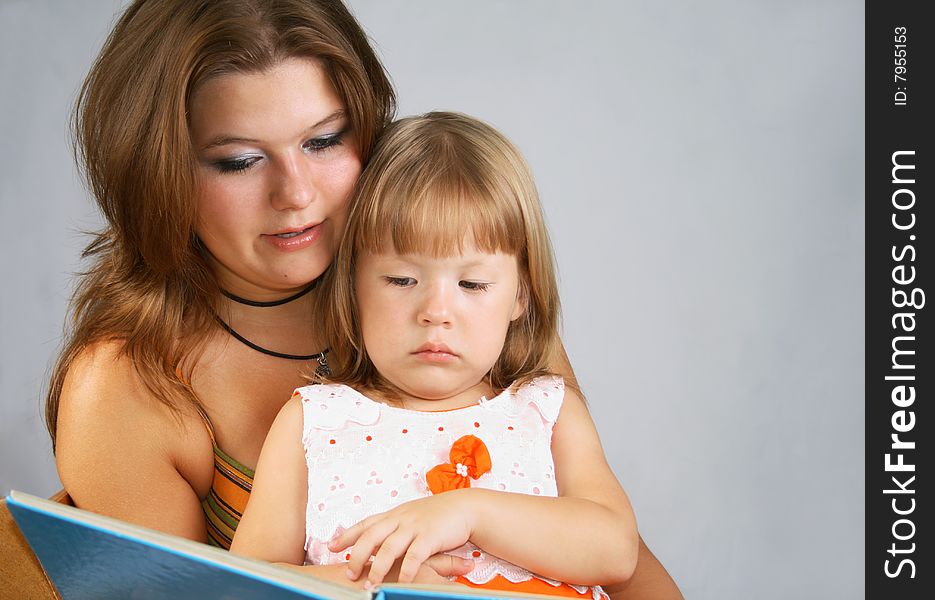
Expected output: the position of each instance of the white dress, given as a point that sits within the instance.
(365, 457)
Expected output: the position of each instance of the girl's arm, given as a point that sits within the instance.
(273, 524)
(587, 535)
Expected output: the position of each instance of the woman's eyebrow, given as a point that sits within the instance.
(224, 139)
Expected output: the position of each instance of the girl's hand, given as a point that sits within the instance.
(437, 570)
(413, 531)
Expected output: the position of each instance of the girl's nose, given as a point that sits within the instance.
(436, 307)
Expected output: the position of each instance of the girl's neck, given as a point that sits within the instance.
(388, 393)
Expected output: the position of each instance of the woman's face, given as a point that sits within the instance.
(276, 168)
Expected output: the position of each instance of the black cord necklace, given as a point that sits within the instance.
(295, 296)
(321, 357)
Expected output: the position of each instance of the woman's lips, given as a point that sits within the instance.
(294, 239)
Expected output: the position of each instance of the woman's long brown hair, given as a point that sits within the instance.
(149, 286)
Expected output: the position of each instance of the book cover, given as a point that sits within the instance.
(90, 556)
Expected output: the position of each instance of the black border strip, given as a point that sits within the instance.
(899, 368)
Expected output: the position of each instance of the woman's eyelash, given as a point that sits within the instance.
(474, 286)
(324, 142)
(235, 165)
(314, 145)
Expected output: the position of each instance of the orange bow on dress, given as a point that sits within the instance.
(469, 460)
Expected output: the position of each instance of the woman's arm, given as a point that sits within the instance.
(650, 580)
(436, 571)
(122, 453)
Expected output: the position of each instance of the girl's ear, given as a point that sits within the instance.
(522, 300)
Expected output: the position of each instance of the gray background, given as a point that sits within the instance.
(701, 165)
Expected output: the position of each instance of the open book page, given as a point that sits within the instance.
(87, 555)
(90, 556)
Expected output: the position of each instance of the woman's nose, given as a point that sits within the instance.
(294, 187)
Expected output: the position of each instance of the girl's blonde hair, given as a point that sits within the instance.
(434, 183)
(150, 286)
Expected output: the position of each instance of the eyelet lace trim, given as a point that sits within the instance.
(365, 457)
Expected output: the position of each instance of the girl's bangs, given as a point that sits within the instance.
(437, 214)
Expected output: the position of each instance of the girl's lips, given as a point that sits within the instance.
(431, 352)
(434, 356)
(291, 241)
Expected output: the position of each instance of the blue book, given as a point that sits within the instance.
(90, 556)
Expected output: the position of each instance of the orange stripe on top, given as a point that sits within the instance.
(230, 490)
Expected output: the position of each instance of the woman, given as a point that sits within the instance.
(222, 140)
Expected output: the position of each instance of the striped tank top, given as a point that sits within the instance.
(230, 490)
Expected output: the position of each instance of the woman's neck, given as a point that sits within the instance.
(280, 327)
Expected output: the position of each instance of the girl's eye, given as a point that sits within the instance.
(474, 286)
(235, 165)
(320, 144)
(400, 281)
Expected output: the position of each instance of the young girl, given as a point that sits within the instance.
(441, 429)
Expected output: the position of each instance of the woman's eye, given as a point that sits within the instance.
(320, 144)
(474, 286)
(400, 281)
(235, 165)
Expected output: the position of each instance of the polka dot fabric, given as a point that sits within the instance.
(366, 457)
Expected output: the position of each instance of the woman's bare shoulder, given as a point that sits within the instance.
(102, 383)
(122, 452)
(97, 368)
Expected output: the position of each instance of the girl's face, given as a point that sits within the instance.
(433, 327)
(276, 167)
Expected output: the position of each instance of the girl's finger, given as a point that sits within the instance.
(350, 535)
(447, 565)
(392, 548)
(419, 551)
(366, 545)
